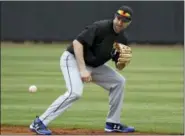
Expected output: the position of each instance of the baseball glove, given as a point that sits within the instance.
(122, 55)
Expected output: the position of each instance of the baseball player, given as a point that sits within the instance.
(85, 61)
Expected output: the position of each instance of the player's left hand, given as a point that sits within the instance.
(125, 55)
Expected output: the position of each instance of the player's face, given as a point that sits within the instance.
(119, 24)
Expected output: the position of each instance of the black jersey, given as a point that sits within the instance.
(97, 40)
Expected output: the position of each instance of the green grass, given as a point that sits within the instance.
(153, 96)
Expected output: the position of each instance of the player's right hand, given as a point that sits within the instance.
(85, 76)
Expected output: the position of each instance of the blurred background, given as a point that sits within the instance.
(153, 22)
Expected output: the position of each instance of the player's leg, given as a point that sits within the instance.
(114, 82)
(74, 86)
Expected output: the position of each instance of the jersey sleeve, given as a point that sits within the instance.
(87, 36)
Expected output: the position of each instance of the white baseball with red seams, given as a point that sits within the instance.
(32, 89)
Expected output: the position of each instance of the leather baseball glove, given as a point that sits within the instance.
(122, 55)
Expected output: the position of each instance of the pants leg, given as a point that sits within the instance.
(112, 81)
(74, 87)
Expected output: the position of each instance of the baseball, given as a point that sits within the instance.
(32, 88)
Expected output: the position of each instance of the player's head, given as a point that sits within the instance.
(123, 18)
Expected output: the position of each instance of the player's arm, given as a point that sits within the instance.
(82, 43)
(78, 50)
(85, 38)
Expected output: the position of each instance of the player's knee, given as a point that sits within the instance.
(77, 93)
(76, 96)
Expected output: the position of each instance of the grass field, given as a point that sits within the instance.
(153, 95)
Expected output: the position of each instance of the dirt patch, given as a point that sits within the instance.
(5, 130)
